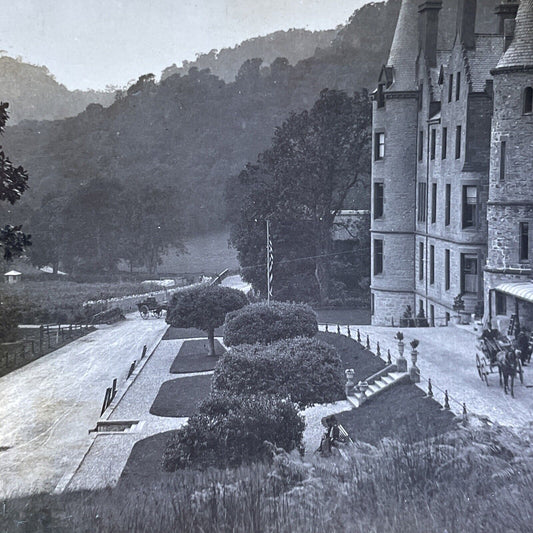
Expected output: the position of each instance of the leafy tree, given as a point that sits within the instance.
(13, 183)
(153, 223)
(300, 184)
(93, 221)
(204, 307)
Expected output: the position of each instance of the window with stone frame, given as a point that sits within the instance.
(420, 145)
(458, 86)
(378, 256)
(420, 261)
(378, 200)
(470, 206)
(444, 144)
(447, 269)
(501, 303)
(503, 150)
(523, 243)
(379, 145)
(422, 202)
(469, 274)
(431, 264)
(450, 87)
(433, 203)
(528, 100)
(458, 142)
(433, 143)
(448, 205)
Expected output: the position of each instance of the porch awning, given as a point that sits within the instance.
(520, 289)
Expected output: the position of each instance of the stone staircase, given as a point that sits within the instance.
(376, 383)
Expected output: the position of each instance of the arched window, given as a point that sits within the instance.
(528, 100)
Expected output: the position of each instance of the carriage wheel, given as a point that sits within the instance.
(479, 367)
(158, 313)
(520, 371)
(145, 312)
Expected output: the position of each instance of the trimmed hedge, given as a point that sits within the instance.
(230, 430)
(306, 370)
(263, 323)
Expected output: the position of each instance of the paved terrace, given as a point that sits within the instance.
(447, 355)
(48, 406)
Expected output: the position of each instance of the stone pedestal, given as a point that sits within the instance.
(350, 384)
(414, 371)
(401, 361)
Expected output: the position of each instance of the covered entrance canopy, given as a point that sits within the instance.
(519, 289)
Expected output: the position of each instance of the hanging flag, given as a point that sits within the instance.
(270, 263)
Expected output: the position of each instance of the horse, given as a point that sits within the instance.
(507, 361)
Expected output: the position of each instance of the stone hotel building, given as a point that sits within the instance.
(452, 171)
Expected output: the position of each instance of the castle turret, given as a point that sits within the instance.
(510, 206)
(394, 173)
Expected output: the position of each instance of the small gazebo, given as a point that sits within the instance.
(13, 277)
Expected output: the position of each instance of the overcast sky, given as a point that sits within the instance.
(92, 43)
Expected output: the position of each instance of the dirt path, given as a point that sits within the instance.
(48, 406)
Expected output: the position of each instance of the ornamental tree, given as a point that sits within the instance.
(204, 307)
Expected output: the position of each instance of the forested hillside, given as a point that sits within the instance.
(194, 131)
(34, 94)
(293, 44)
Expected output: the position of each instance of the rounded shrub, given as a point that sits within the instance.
(229, 430)
(265, 323)
(306, 370)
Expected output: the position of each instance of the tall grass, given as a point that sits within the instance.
(471, 480)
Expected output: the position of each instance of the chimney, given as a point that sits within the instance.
(466, 22)
(428, 21)
(506, 11)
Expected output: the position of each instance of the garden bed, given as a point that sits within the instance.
(193, 357)
(402, 412)
(181, 397)
(353, 355)
(189, 333)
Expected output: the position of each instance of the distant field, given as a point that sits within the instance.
(205, 253)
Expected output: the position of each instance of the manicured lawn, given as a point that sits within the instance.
(144, 463)
(189, 333)
(353, 355)
(403, 412)
(193, 357)
(181, 397)
(343, 316)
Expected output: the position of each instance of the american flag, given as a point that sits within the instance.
(270, 262)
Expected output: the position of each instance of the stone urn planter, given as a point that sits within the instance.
(414, 370)
(350, 384)
(401, 361)
(362, 387)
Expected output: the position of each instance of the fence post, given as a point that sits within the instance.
(48, 334)
(349, 332)
(378, 350)
(389, 359)
(114, 391)
(327, 326)
(358, 335)
(338, 329)
(144, 352)
(465, 414)
(106, 400)
(367, 342)
(430, 389)
(446, 400)
(41, 333)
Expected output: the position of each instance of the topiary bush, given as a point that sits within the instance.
(204, 307)
(306, 370)
(263, 323)
(230, 429)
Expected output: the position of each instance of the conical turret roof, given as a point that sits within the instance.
(520, 52)
(404, 49)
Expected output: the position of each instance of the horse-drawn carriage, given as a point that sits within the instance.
(150, 306)
(497, 351)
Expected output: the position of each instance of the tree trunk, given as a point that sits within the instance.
(211, 337)
(322, 270)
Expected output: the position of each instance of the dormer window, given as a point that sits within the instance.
(528, 100)
(380, 96)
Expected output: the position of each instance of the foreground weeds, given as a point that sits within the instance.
(471, 480)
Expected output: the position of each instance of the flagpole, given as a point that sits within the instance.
(268, 259)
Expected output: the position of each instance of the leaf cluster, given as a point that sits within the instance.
(230, 429)
(306, 370)
(265, 323)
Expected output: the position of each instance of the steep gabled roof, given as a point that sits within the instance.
(520, 52)
(404, 48)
